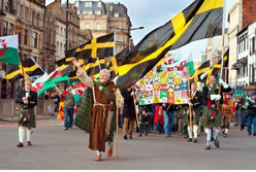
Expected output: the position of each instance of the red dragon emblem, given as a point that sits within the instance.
(4, 45)
(37, 87)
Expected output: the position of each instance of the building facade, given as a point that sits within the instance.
(104, 18)
(75, 36)
(49, 41)
(42, 34)
(246, 56)
(25, 18)
(235, 25)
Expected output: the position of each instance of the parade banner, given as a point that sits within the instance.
(163, 87)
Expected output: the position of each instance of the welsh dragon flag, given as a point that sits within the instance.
(9, 50)
(47, 82)
(179, 60)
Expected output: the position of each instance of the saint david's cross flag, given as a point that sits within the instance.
(9, 50)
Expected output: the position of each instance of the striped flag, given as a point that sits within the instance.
(93, 56)
(200, 71)
(216, 69)
(31, 68)
(202, 19)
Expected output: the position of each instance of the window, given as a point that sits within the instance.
(99, 4)
(87, 26)
(246, 68)
(98, 12)
(61, 49)
(252, 45)
(7, 6)
(77, 4)
(38, 20)
(240, 71)
(116, 15)
(27, 14)
(32, 17)
(245, 43)
(34, 39)
(21, 11)
(84, 12)
(111, 7)
(4, 28)
(26, 37)
(78, 12)
(57, 47)
(90, 12)
(19, 37)
(118, 38)
(88, 4)
(98, 27)
(10, 29)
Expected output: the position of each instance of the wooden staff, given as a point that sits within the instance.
(190, 113)
(137, 118)
(117, 114)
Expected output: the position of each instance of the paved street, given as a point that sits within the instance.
(56, 149)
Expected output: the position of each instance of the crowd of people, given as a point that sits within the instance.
(208, 111)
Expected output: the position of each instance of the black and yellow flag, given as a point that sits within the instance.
(216, 68)
(202, 19)
(93, 56)
(31, 68)
(205, 67)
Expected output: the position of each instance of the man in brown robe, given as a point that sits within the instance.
(104, 96)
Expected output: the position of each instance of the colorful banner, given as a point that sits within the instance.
(163, 87)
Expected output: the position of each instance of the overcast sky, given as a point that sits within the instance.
(154, 13)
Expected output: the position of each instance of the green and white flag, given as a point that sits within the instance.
(9, 50)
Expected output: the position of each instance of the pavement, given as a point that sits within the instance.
(55, 149)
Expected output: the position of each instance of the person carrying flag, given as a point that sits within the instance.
(96, 115)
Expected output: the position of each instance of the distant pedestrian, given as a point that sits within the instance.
(128, 112)
(168, 112)
(144, 119)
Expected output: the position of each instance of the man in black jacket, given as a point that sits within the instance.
(195, 101)
(27, 100)
(128, 112)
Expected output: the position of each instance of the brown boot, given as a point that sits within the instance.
(140, 135)
(98, 158)
(146, 134)
(110, 152)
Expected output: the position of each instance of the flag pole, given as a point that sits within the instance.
(190, 111)
(117, 109)
(223, 46)
(117, 114)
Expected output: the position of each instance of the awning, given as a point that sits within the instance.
(239, 64)
(238, 93)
